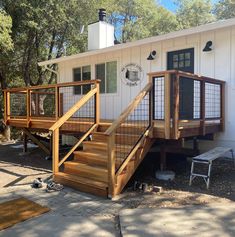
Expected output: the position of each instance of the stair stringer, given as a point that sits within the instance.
(131, 167)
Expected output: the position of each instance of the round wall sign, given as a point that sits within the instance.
(132, 74)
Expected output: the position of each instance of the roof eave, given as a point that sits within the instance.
(175, 34)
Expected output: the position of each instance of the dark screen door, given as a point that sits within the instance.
(183, 60)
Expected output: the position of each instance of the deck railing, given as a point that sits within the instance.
(127, 133)
(49, 101)
(182, 98)
(87, 110)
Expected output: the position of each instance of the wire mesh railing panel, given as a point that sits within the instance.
(70, 95)
(76, 126)
(18, 104)
(212, 100)
(189, 98)
(43, 102)
(158, 95)
(131, 130)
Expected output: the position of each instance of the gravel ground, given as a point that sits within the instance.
(17, 169)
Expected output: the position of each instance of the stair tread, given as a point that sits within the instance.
(97, 154)
(105, 144)
(79, 165)
(117, 133)
(82, 180)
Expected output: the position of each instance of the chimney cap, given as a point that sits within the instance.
(102, 14)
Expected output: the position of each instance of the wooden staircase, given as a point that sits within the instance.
(109, 159)
(88, 171)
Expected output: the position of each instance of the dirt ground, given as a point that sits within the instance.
(18, 169)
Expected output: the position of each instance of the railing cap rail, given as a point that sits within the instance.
(187, 74)
(65, 84)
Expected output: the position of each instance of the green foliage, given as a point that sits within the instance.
(225, 9)
(192, 13)
(41, 29)
(5, 31)
(137, 19)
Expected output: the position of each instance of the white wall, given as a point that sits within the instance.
(219, 64)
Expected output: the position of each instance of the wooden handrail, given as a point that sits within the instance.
(186, 74)
(65, 84)
(129, 109)
(73, 109)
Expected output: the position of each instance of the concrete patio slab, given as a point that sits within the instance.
(53, 225)
(208, 221)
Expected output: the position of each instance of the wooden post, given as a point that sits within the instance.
(176, 107)
(97, 103)
(57, 102)
(222, 106)
(111, 165)
(163, 157)
(55, 152)
(6, 106)
(167, 105)
(151, 104)
(28, 106)
(203, 111)
(25, 147)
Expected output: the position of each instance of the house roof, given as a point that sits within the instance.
(180, 33)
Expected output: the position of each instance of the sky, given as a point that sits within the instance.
(169, 4)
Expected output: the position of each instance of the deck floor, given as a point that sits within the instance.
(186, 128)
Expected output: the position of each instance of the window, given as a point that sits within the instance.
(82, 74)
(107, 73)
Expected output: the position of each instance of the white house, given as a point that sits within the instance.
(111, 63)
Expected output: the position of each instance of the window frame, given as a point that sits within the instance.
(81, 68)
(105, 63)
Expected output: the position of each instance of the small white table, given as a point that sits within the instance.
(207, 158)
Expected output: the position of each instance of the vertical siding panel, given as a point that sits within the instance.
(207, 59)
(145, 64)
(125, 90)
(156, 64)
(135, 58)
(222, 54)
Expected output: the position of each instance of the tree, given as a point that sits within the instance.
(225, 9)
(192, 13)
(137, 19)
(5, 32)
(40, 31)
(6, 44)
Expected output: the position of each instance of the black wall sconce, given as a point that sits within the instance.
(208, 46)
(152, 55)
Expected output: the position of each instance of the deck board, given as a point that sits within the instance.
(186, 128)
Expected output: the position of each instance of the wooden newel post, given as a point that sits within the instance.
(167, 107)
(57, 102)
(222, 106)
(55, 151)
(203, 108)
(6, 106)
(97, 103)
(176, 106)
(28, 105)
(111, 165)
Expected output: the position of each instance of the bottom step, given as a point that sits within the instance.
(82, 184)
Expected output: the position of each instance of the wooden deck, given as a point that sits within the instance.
(186, 128)
(112, 150)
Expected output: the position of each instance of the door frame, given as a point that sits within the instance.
(166, 50)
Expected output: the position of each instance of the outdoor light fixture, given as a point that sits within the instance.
(152, 55)
(208, 46)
